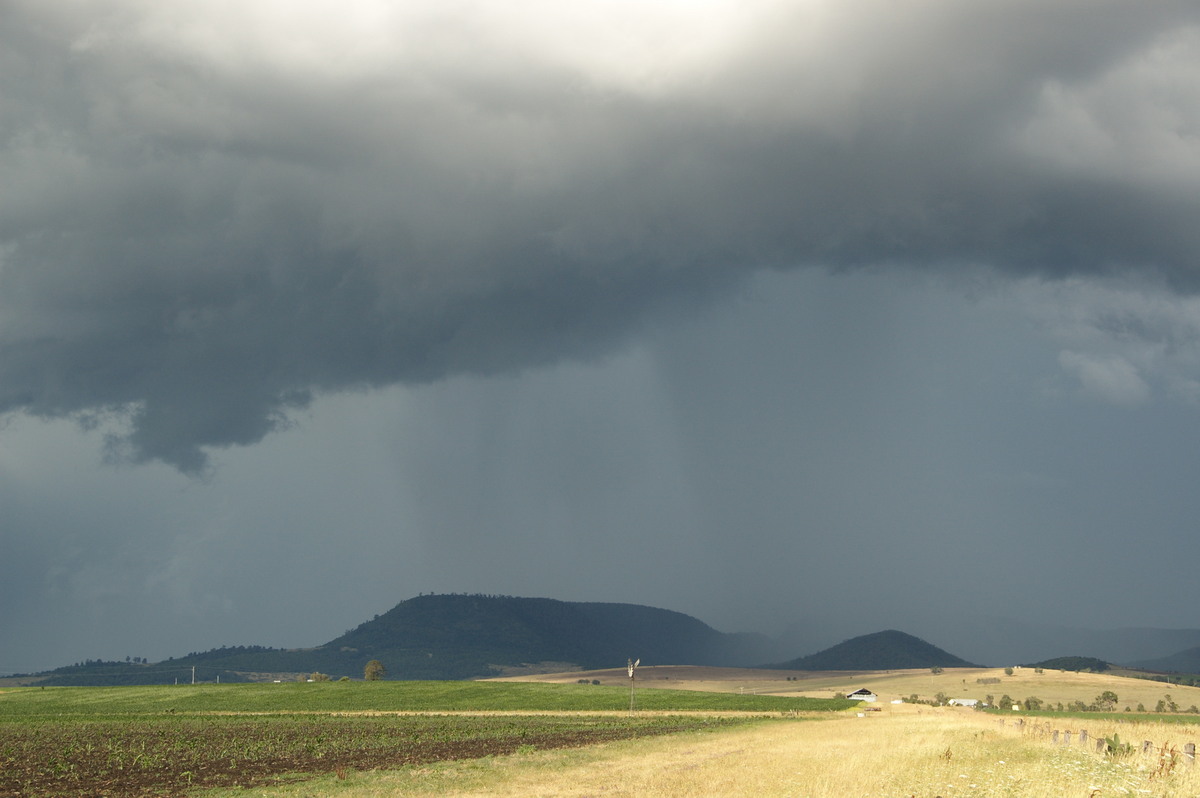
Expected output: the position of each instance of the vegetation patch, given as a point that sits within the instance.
(156, 740)
(162, 756)
(1078, 664)
(383, 696)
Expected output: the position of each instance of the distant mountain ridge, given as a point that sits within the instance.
(886, 650)
(998, 641)
(1187, 661)
(464, 636)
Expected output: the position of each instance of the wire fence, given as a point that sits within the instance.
(1112, 746)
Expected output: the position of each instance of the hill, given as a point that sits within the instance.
(1187, 661)
(1089, 664)
(1000, 641)
(461, 637)
(466, 636)
(887, 650)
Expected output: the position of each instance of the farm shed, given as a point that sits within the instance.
(963, 702)
(862, 694)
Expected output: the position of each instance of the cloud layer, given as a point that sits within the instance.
(212, 214)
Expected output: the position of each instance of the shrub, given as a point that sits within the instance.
(1114, 747)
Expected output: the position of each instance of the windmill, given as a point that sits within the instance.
(632, 670)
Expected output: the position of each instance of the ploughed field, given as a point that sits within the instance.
(145, 741)
(163, 756)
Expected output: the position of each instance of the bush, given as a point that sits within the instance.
(1114, 747)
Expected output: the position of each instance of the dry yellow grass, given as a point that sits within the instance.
(926, 753)
(1051, 686)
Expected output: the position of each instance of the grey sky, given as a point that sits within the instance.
(773, 313)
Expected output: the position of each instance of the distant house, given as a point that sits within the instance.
(963, 702)
(862, 694)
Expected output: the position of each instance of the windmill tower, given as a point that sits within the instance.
(632, 671)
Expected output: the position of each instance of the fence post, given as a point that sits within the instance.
(1054, 737)
(1147, 746)
(1100, 746)
(1189, 753)
(1083, 736)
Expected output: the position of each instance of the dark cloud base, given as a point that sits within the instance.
(202, 244)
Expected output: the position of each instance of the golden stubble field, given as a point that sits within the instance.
(920, 751)
(1051, 686)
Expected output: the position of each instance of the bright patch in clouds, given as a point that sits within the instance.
(1111, 379)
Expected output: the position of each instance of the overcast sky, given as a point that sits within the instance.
(830, 315)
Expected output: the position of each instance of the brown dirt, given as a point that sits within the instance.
(116, 760)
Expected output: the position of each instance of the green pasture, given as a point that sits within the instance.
(382, 696)
(151, 740)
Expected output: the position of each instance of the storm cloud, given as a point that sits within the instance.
(801, 317)
(214, 213)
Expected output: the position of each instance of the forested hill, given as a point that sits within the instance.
(462, 637)
(887, 650)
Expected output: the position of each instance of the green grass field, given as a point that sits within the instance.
(383, 696)
(141, 741)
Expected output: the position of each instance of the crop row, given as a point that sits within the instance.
(149, 756)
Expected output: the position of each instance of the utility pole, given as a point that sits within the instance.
(193, 674)
(632, 669)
